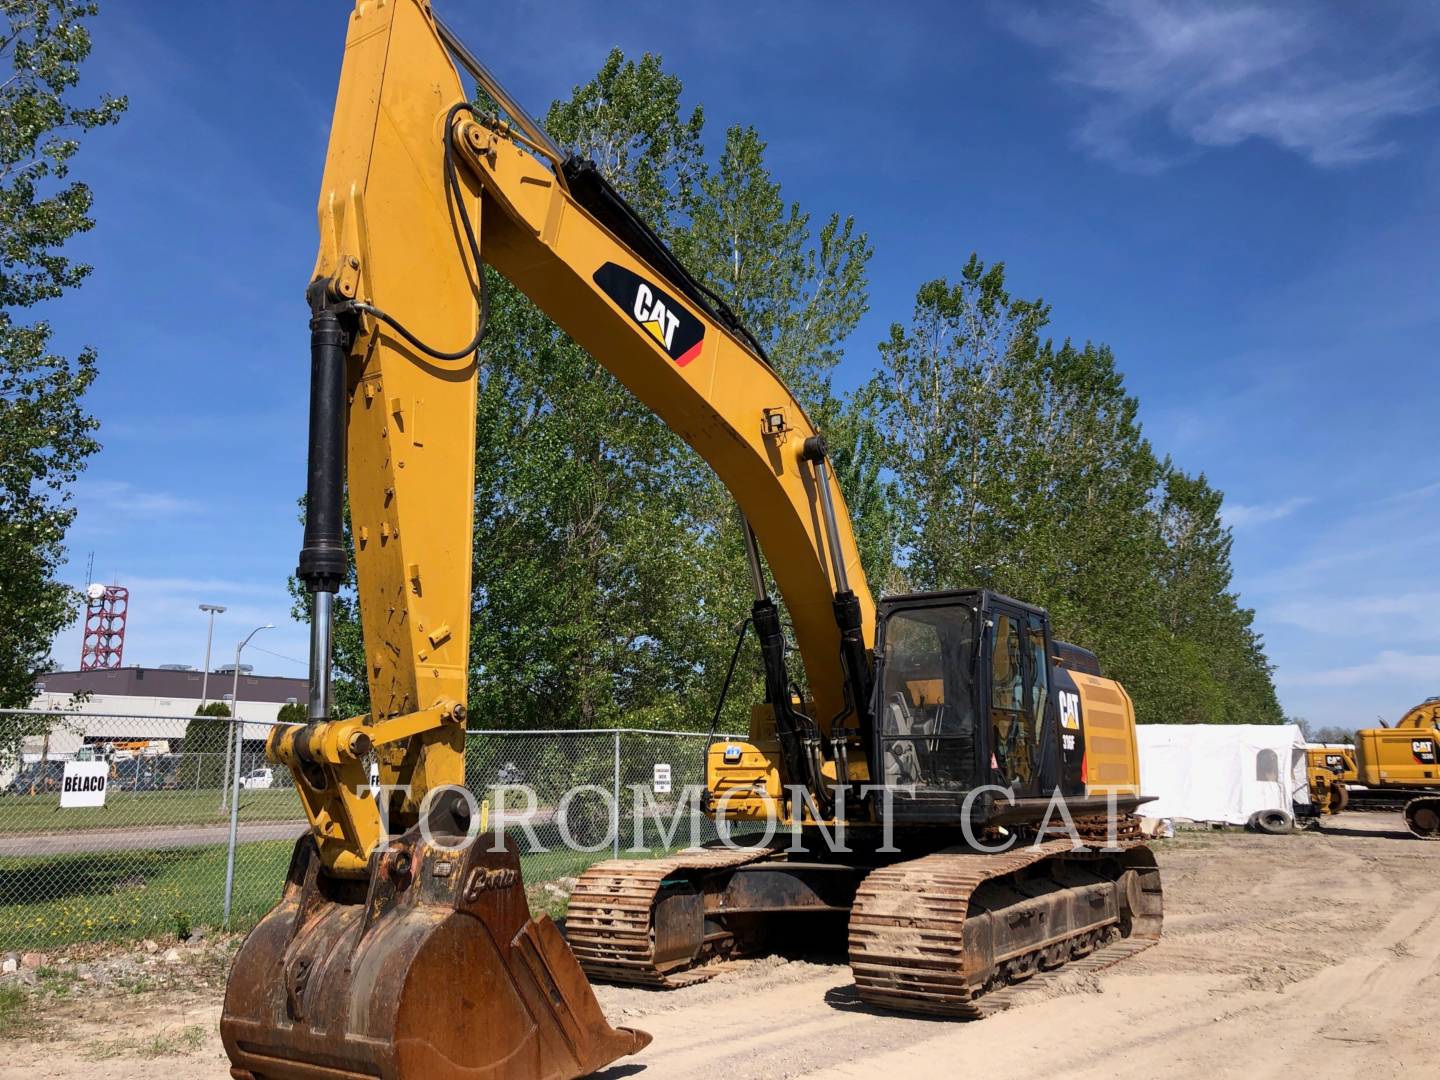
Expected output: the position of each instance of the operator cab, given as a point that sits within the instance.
(964, 699)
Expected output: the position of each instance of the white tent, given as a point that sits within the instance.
(1221, 772)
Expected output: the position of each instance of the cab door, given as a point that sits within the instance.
(1019, 692)
(1042, 712)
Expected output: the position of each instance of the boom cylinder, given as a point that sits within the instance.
(322, 556)
(771, 638)
(322, 628)
(853, 658)
(752, 559)
(817, 453)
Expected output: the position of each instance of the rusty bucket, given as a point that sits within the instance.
(431, 969)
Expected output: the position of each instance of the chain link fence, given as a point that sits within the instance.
(157, 856)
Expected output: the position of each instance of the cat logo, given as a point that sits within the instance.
(1423, 750)
(651, 313)
(1069, 709)
(662, 317)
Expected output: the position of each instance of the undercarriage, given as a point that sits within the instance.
(1419, 806)
(951, 932)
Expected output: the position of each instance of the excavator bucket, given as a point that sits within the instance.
(432, 969)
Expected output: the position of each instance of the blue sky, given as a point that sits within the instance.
(1238, 198)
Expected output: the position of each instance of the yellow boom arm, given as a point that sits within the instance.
(396, 239)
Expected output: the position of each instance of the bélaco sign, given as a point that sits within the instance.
(84, 783)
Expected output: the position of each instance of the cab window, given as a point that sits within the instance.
(927, 712)
(1039, 677)
(1007, 681)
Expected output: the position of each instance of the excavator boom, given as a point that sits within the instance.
(397, 956)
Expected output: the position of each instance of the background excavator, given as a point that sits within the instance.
(939, 727)
(1388, 768)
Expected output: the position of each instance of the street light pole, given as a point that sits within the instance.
(213, 609)
(235, 715)
(235, 779)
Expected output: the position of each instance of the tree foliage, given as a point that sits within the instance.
(45, 433)
(1020, 465)
(292, 712)
(202, 763)
(609, 575)
(1330, 733)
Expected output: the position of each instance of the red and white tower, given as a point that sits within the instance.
(104, 641)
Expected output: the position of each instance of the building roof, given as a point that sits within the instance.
(165, 683)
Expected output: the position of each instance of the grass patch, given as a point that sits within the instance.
(136, 984)
(14, 1004)
(57, 982)
(138, 809)
(50, 901)
(187, 1040)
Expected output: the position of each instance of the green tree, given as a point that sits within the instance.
(45, 433)
(202, 762)
(579, 531)
(609, 573)
(1230, 680)
(801, 291)
(1020, 465)
(22, 733)
(293, 712)
(942, 395)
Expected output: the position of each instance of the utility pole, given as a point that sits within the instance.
(213, 609)
(235, 719)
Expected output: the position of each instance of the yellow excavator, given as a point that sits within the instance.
(1388, 768)
(940, 728)
(1331, 768)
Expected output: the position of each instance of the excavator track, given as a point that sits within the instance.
(1422, 817)
(1419, 808)
(965, 934)
(611, 921)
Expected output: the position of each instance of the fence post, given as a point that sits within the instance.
(224, 772)
(234, 822)
(615, 810)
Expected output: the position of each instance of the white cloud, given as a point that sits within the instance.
(1217, 74)
(1414, 494)
(1390, 665)
(1354, 616)
(202, 588)
(124, 498)
(1243, 516)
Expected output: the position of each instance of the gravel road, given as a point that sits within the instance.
(1314, 955)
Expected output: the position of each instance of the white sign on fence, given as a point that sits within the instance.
(84, 783)
(662, 779)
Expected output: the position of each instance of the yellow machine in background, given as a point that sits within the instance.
(1330, 768)
(403, 944)
(1388, 768)
(1398, 767)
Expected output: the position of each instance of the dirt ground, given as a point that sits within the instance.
(1316, 954)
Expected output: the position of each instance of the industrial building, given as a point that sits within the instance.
(129, 703)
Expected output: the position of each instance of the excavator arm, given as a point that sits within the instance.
(418, 188)
(394, 957)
